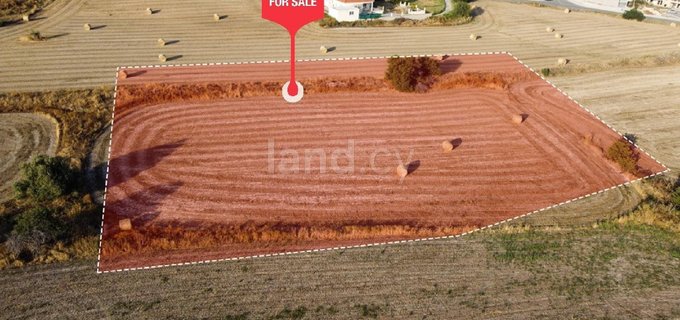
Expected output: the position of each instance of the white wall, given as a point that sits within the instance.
(344, 14)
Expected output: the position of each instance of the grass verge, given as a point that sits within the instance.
(648, 61)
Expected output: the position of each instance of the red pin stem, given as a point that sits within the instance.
(292, 88)
(292, 15)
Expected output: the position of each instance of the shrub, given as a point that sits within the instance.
(412, 74)
(25, 247)
(34, 36)
(14, 7)
(545, 72)
(624, 155)
(675, 195)
(40, 221)
(634, 14)
(328, 22)
(45, 178)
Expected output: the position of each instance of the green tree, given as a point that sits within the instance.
(45, 178)
(412, 74)
(634, 14)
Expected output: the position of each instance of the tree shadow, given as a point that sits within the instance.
(132, 164)
(477, 11)
(141, 207)
(448, 65)
(136, 73)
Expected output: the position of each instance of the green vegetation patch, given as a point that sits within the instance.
(528, 246)
(52, 216)
(431, 6)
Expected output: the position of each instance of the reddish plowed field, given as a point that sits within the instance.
(209, 180)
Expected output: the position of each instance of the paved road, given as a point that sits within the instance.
(449, 6)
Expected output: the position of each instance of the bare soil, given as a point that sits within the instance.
(199, 180)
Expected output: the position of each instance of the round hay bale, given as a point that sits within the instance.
(125, 224)
(447, 146)
(567, 10)
(216, 17)
(26, 18)
(87, 27)
(474, 37)
(402, 171)
(673, 24)
(558, 36)
(562, 61)
(549, 29)
(323, 49)
(149, 11)
(161, 42)
(122, 74)
(162, 58)
(517, 118)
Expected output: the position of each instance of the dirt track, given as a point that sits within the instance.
(204, 163)
(23, 135)
(126, 36)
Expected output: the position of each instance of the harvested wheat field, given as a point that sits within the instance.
(123, 34)
(235, 171)
(23, 136)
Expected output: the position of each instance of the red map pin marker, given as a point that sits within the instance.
(292, 15)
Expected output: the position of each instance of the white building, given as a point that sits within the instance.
(608, 3)
(675, 4)
(348, 10)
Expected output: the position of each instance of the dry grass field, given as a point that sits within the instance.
(564, 268)
(125, 35)
(609, 272)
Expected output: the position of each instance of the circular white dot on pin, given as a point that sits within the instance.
(296, 98)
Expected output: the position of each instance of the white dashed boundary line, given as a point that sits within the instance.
(99, 271)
